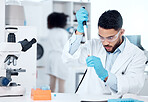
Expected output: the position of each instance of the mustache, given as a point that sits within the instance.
(107, 46)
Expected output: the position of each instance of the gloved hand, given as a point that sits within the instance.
(124, 100)
(81, 15)
(95, 62)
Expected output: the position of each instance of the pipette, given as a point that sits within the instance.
(90, 52)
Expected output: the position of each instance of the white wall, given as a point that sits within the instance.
(134, 13)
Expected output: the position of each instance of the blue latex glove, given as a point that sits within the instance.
(124, 100)
(81, 15)
(95, 62)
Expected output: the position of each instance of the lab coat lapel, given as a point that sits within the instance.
(122, 58)
(103, 56)
(99, 51)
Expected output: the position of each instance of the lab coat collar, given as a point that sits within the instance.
(122, 46)
(103, 55)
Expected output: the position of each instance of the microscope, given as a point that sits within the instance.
(9, 53)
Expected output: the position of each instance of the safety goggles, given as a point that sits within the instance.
(110, 38)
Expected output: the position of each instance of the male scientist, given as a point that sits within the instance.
(118, 64)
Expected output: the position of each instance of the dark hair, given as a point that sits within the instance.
(56, 20)
(111, 19)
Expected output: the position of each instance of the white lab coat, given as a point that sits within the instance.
(128, 68)
(57, 38)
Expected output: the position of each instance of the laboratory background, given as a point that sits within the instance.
(32, 23)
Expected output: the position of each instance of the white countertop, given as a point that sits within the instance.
(60, 97)
(68, 97)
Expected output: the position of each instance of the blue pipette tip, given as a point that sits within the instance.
(54, 95)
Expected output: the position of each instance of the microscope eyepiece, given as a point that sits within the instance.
(33, 41)
(27, 44)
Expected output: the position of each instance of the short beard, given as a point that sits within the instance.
(115, 46)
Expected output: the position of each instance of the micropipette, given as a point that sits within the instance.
(86, 37)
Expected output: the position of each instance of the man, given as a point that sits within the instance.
(118, 64)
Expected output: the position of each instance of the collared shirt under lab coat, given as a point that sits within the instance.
(110, 59)
(128, 67)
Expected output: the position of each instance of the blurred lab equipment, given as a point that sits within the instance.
(136, 40)
(26, 60)
(40, 94)
(9, 54)
(14, 13)
(40, 51)
(2, 19)
(74, 14)
(13, 2)
(70, 30)
(124, 100)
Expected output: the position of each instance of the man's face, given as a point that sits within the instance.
(111, 39)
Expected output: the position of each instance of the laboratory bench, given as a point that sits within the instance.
(71, 97)
(27, 98)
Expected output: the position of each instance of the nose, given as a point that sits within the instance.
(105, 42)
